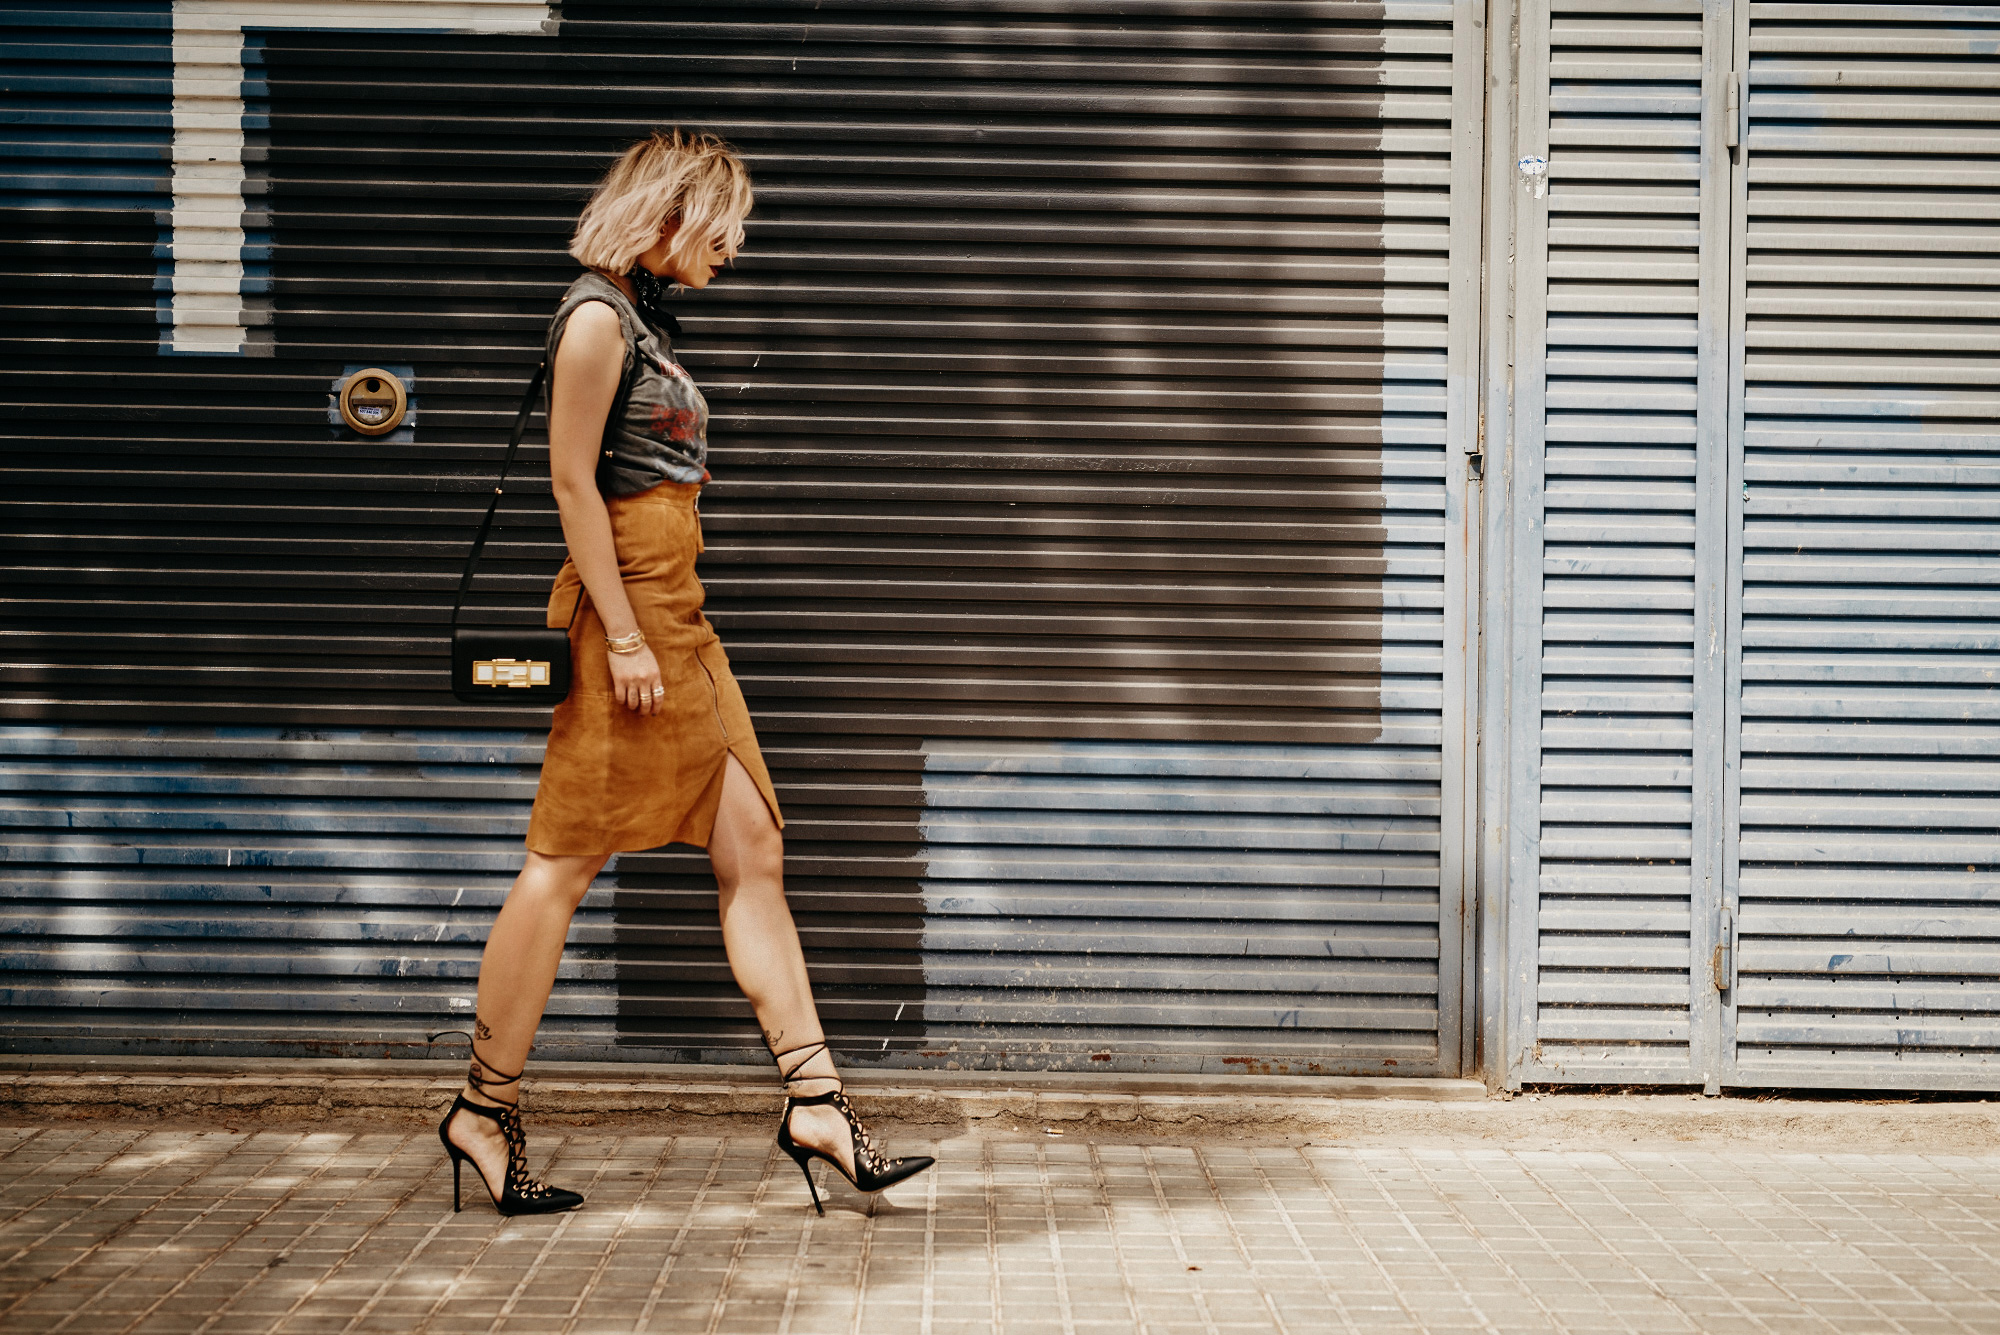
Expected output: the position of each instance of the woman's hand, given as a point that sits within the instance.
(635, 680)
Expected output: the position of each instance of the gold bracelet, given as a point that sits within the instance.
(626, 644)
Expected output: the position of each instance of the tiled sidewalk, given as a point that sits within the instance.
(125, 1230)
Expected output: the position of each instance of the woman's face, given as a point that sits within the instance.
(662, 262)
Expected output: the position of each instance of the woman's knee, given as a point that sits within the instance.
(756, 857)
(767, 857)
(558, 881)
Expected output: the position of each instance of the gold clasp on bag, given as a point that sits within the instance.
(510, 672)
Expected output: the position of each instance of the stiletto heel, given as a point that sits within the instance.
(873, 1171)
(804, 1161)
(519, 1193)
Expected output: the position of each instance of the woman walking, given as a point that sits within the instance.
(654, 744)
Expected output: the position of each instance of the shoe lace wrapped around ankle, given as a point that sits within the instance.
(836, 1097)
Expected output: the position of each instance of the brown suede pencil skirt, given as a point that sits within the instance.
(615, 780)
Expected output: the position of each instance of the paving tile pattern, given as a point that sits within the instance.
(156, 1231)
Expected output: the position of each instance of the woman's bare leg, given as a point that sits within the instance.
(748, 854)
(516, 974)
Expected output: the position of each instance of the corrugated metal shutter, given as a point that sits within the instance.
(297, 892)
(1615, 417)
(85, 97)
(1079, 415)
(1869, 495)
(1090, 897)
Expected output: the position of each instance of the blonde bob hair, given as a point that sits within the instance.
(672, 175)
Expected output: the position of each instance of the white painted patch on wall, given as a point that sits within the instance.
(208, 313)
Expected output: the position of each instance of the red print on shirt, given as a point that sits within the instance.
(679, 425)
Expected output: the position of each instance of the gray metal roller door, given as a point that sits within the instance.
(1079, 536)
(1763, 614)
(1867, 432)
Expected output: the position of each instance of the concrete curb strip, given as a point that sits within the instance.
(611, 1095)
(938, 1105)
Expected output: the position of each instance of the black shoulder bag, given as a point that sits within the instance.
(508, 665)
(529, 665)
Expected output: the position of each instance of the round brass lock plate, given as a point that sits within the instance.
(373, 402)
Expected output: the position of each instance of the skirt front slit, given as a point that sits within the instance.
(614, 780)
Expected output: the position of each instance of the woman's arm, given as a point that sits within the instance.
(589, 362)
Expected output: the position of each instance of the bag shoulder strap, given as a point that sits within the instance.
(499, 489)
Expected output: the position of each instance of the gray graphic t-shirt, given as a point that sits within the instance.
(662, 434)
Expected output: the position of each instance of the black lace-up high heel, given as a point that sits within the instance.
(873, 1171)
(519, 1193)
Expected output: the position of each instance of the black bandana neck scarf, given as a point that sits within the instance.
(649, 294)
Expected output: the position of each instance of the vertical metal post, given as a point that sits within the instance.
(1496, 592)
(1458, 834)
(1711, 543)
(1733, 497)
(1526, 529)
